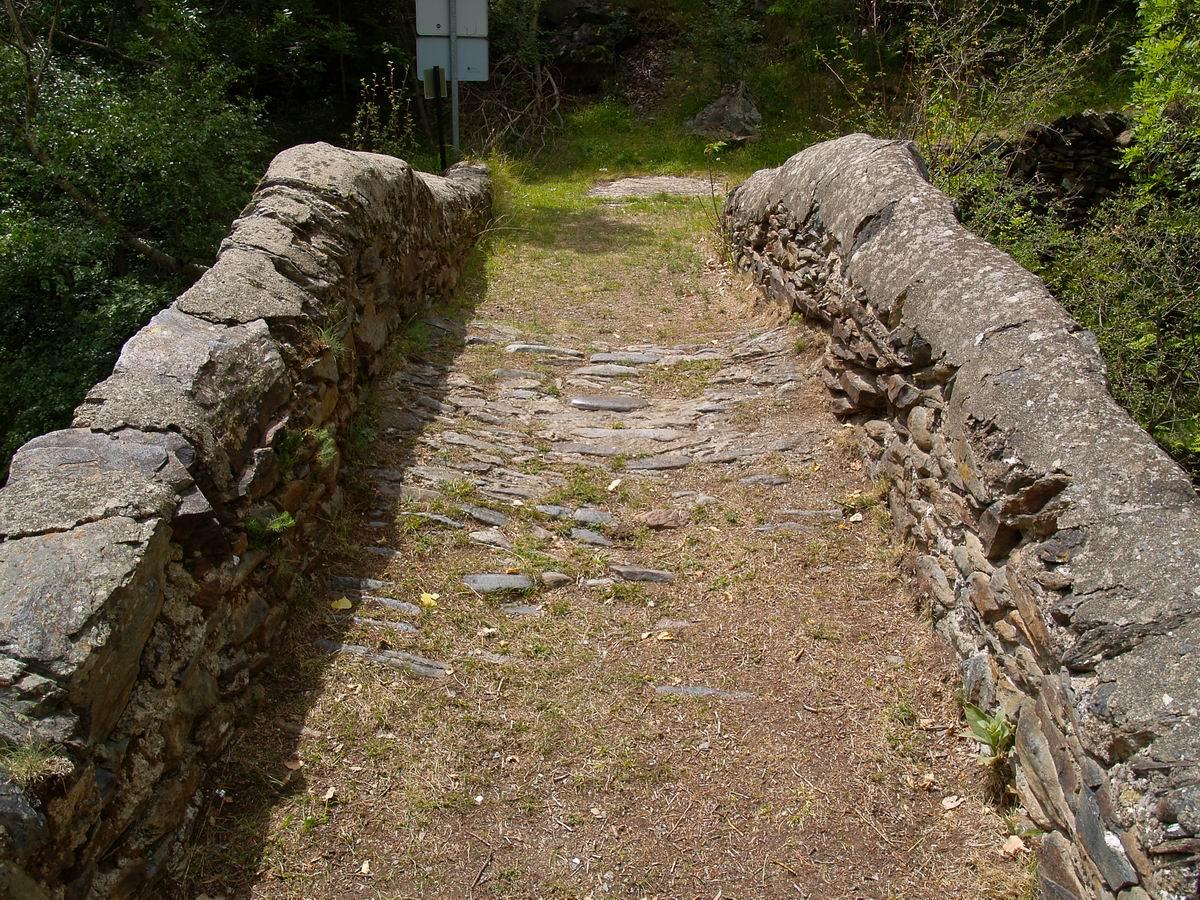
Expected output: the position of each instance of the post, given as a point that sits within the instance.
(454, 74)
(439, 81)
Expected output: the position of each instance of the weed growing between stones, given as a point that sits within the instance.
(29, 764)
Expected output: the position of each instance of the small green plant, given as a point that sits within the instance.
(265, 534)
(995, 735)
(330, 338)
(325, 445)
(30, 764)
(583, 486)
(287, 446)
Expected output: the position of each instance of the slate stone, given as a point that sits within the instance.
(568, 447)
(637, 573)
(556, 579)
(521, 610)
(606, 370)
(491, 537)
(544, 349)
(592, 516)
(485, 515)
(354, 583)
(23, 825)
(661, 462)
(1111, 862)
(765, 480)
(650, 434)
(626, 357)
(609, 402)
(398, 627)
(396, 659)
(491, 583)
(589, 537)
(437, 519)
(554, 511)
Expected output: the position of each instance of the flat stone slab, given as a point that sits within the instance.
(556, 579)
(491, 537)
(699, 690)
(491, 583)
(546, 349)
(642, 186)
(626, 357)
(396, 659)
(765, 480)
(351, 583)
(437, 519)
(555, 512)
(517, 610)
(592, 516)
(606, 370)
(589, 537)
(485, 515)
(647, 434)
(663, 461)
(587, 449)
(609, 403)
(637, 573)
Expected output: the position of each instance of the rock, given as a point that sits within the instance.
(637, 573)
(352, 583)
(491, 583)
(609, 403)
(626, 357)
(398, 627)
(765, 480)
(437, 519)
(663, 518)
(396, 659)
(568, 447)
(663, 461)
(485, 515)
(556, 579)
(654, 186)
(491, 537)
(520, 610)
(589, 537)
(546, 349)
(623, 434)
(592, 516)
(606, 370)
(554, 511)
(731, 117)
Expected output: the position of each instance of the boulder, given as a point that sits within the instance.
(731, 117)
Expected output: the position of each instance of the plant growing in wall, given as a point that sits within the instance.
(994, 734)
(262, 535)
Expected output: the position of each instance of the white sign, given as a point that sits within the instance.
(472, 56)
(433, 18)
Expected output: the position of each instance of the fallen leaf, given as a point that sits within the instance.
(429, 601)
(329, 794)
(341, 603)
(952, 802)
(1014, 846)
(294, 764)
(664, 636)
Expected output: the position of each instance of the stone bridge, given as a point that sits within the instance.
(639, 577)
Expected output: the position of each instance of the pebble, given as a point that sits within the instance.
(637, 573)
(490, 583)
(589, 537)
(609, 402)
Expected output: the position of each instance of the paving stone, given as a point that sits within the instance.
(354, 583)
(587, 449)
(400, 606)
(520, 610)
(491, 537)
(490, 583)
(663, 518)
(436, 518)
(398, 627)
(649, 434)
(463, 440)
(593, 516)
(589, 537)
(386, 552)
(546, 349)
(766, 480)
(606, 370)
(556, 579)
(485, 515)
(609, 402)
(599, 582)
(699, 690)
(510, 374)
(555, 512)
(663, 461)
(397, 659)
(637, 573)
(627, 357)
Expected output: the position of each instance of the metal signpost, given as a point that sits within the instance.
(452, 36)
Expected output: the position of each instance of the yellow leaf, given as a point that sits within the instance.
(664, 636)
(429, 601)
(512, 570)
(341, 603)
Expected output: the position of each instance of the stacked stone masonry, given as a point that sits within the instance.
(1058, 545)
(149, 553)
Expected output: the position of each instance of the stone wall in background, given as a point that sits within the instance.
(1058, 545)
(148, 553)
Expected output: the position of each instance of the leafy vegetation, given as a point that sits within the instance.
(130, 135)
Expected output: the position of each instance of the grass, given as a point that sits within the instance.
(29, 764)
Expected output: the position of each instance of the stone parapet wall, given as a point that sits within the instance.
(1058, 545)
(148, 554)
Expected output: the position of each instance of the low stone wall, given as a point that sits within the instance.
(1059, 546)
(149, 552)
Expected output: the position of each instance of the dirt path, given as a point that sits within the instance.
(612, 612)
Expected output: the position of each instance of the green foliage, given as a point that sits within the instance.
(29, 764)
(1166, 95)
(262, 535)
(994, 733)
(383, 121)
